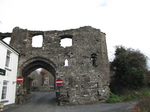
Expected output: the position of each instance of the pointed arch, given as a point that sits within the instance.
(38, 62)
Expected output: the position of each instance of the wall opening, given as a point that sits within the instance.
(41, 80)
(94, 59)
(34, 64)
(39, 76)
(37, 41)
(7, 40)
(66, 41)
(66, 62)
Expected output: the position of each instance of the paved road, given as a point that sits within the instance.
(45, 102)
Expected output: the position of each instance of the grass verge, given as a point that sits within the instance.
(130, 95)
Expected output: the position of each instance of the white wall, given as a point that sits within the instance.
(11, 72)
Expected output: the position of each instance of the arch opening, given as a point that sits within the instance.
(38, 74)
(41, 80)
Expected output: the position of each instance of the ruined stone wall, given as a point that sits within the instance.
(86, 78)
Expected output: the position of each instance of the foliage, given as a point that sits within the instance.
(129, 68)
(31, 77)
(148, 78)
(142, 94)
(113, 98)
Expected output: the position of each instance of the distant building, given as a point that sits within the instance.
(8, 73)
(48, 78)
(42, 80)
(36, 76)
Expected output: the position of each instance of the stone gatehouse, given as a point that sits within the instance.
(83, 66)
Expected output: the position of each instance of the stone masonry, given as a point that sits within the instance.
(85, 78)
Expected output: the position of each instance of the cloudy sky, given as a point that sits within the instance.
(125, 22)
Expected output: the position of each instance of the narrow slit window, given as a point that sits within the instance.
(66, 62)
(94, 59)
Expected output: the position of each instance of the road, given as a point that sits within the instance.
(45, 102)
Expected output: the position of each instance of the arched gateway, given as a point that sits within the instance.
(33, 64)
(37, 62)
(83, 66)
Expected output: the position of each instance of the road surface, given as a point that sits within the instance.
(46, 102)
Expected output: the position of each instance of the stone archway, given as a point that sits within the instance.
(35, 63)
(83, 66)
(38, 62)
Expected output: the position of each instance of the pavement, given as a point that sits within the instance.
(46, 102)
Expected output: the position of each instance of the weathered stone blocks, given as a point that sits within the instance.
(85, 79)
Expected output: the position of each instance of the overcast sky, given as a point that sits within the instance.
(125, 22)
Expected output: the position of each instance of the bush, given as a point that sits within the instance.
(128, 70)
(113, 98)
(148, 78)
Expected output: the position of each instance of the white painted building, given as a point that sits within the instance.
(8, 73)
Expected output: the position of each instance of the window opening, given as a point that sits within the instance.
(66, 41)
(7, 58)
(66, 62)
(4, 89)
(46, 80)
(37, 41)
(94, 59)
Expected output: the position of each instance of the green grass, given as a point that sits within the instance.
(113, 98)
(129, 95)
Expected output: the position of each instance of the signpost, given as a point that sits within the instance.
(59, 82)
(19, 79)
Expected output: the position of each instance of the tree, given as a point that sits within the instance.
(129, 67)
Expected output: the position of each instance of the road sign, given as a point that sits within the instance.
(19, 79)
(59, 82)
